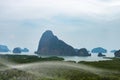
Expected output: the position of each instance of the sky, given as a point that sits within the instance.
(79, 23)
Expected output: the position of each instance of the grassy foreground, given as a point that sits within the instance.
(29, 58)
(57, 72)
(113, 64)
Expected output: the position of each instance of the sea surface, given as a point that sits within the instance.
(93, 57)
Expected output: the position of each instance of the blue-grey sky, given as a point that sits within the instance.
(80, 23)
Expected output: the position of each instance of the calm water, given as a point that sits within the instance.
(93, 57)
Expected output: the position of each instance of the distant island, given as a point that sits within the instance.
(20, 50)
(17, 50)
(50, 45)
(99, 50)
(101, 55)
(113, 51)
(4, 48)
(117, 53)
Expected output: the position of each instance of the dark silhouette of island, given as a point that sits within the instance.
(113, 51)
(99, 50)
(20, 50)
(117, 53)
(83, 52)
(101, 55)
(17, 50)
(76, 50)
(50, 45)
(4, 48)
(25, 50)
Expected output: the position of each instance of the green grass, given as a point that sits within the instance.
(1, 64)
(29, 58)
(59, 73)
(113, 64)
(14, 74)
(56, 74)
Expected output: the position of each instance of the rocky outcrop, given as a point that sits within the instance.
(25, 50)
(99, 50)
(17, 50)
(76, 50)
(113, 51)
(83, 52)
(50, 45)
(4, 48)
(100, 55)
(117, 53)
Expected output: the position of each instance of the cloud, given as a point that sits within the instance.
(22, 22)
(46, 9)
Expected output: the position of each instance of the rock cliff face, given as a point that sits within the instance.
(117, 53)
(50, 45)
(4, 48)
(83, 52)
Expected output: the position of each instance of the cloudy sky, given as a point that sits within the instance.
(80, 23)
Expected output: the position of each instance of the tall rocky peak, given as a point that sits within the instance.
(47, 38)
(47, 35)
(50, 45)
